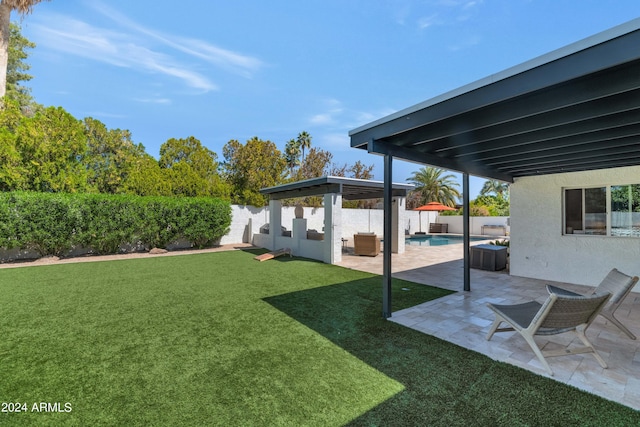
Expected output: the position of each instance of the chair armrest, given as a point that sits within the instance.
(560, 291)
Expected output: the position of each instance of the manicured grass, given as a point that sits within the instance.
(221, 339)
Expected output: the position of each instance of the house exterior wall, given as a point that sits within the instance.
(540, 250)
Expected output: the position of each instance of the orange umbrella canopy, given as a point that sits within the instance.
(434, 206)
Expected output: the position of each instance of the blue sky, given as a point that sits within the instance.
(237, 69)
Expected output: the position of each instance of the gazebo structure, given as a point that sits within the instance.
(327, 246)
(572, 111)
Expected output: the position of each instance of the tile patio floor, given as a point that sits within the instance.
(464, 319)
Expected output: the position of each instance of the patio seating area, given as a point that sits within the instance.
(464, 319)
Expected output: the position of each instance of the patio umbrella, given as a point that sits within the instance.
(431, 206)
(434, 206)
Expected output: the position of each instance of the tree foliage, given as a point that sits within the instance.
(316, 164)
(17, 68)
(250, 167)
(48, 150)
(191, 169)
(493, 205)
(292, 155)
(625, 198)
(498, 188)
(432, 185)
(111, 156)
(304, 141)
(493, 199)
(146, 178)
(23, 7)
(52, 146)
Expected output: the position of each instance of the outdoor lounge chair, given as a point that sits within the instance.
(367, 244)
(619, 285)
(558, 314)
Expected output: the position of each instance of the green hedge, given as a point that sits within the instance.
(53, 224)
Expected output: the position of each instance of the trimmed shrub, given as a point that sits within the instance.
(53, 224)
(202, 221)
(109, 222)
(43, 222)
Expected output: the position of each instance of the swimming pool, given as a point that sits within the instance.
(438, 240)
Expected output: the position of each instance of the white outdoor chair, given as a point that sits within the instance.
(558, 314)
(616, 283)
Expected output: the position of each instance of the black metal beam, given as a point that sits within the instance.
(547, 104)
(466, 232)
(304, 192)
(387, 235)
(380, 147)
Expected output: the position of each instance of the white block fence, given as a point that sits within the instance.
(248, 220)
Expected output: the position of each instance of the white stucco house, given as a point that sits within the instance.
(545, 247)
(564, 129)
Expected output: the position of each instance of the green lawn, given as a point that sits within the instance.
(221, 339)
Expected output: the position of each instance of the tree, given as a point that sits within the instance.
(250, 167)
(23, 7)
(17, 67)
(315, 165)
(12, 173)
(111, 156)
(52, 145)
(292, 155)
(361, 171)
(493, 186)
(304, 141)
(494, 205)
(191, 169)
(433, 186)
(146, 178)
(358, 171)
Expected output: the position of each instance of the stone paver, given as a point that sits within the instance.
(464, 319)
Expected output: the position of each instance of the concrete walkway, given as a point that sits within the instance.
(464, 319)
(49, 260)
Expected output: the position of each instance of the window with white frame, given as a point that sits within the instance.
(611, 210)
(625, 210)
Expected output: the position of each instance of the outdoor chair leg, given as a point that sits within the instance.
(494, 327)
(538, 352)
(586, 342)
(611, 318)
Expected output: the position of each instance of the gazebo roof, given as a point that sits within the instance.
(350, 188)
(573, 109)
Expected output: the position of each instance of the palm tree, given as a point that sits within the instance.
(6, 6)
(433, 186)
(493, 186)
(292, 154)
(304, 141)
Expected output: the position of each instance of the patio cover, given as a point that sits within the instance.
(335, 189)
(574, 109)
(350, 188)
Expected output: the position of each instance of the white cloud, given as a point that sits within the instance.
(427, 21)
(333, 123)
(163, 101)
(332, 110)
(444, 12)
(234, 61)
(139, 48)
(321, 119)
(115, 48)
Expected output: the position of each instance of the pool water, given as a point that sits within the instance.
(438, 240)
